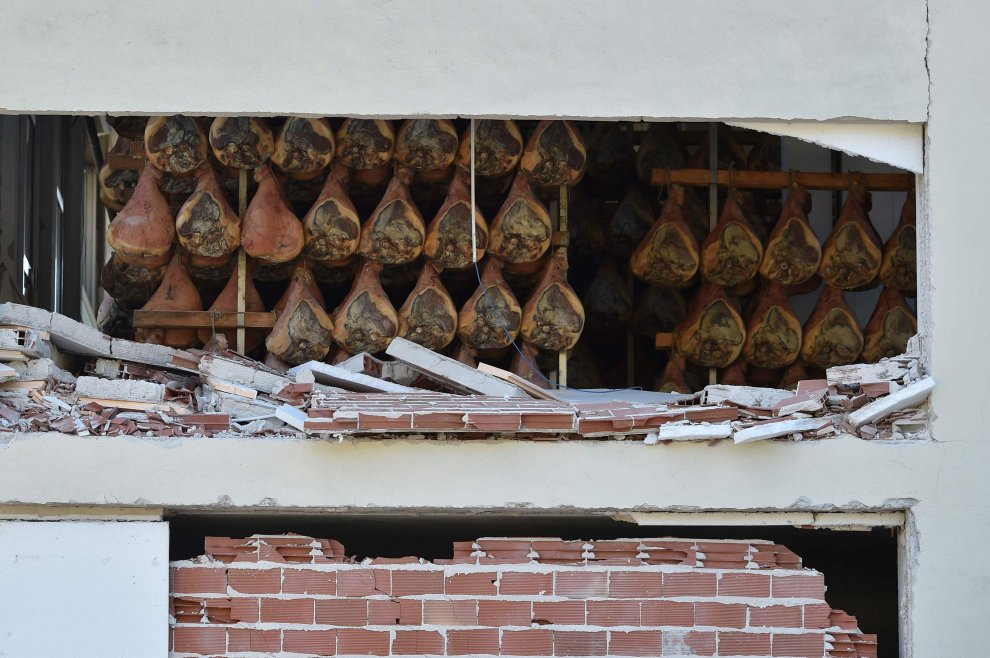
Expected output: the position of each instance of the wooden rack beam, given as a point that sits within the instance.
(771, 180)
(203, 319)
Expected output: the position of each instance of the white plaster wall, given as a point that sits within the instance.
(957, 171)
(793, 59)
(83, 589)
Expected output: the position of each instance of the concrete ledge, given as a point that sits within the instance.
(570, 476)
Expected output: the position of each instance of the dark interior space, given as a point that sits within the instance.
(860, 567)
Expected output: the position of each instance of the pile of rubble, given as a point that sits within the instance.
(60, 375)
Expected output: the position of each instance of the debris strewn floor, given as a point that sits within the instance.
(63, 376)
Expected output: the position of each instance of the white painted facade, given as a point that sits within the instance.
(83, 588)
(883, 60)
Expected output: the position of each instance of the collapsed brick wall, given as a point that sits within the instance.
(291, 595)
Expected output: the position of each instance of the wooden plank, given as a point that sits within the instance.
(516, 380)
(451, 372)
(778, 180)
(202, 319)
(242, 184)
(664, 340)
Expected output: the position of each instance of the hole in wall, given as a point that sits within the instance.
(860, 567)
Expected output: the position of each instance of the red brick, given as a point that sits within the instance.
(304, 581)
(613, 613)
(803, 645)
(417, 643)
(817, 615)
(579, 643)
(724, 615)
(200, 639)
(633, 585)
(360, 642)
(805, 587)
(534, 642)
(411, 583)
(292, 611)
(689, 584)
(580, 585)
(743, 644)
(482, 584)
(512, 582)
(753, 585)
(380, 612)
(342, 612)
(255, 581)
(634, 643)
(693, 643)
(252, 639)
(781, 616)
(190, 580)
(245, 609)
(357, 582)
(480, 641)
(318, 643)
(410, 612)
(558, 612)
(667, 613)
(450, 613)
(505, 613)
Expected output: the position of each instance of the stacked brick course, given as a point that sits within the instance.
(297, 596)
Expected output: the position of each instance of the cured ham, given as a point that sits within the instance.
(428, 316)
(270, 231)
(206, 223)
(524, 365)
(464, 354)
(175, 293)
(899, 267)
(332, 228)
(794, 373)
(448, 237)
(130, 285)
(143, 231)
(365, 143)
(426, 144)
(365, 321)
(117, 185)
(498, 146)
(656, 310)
(607, 302)
(792, 254)
(660, 149)
(712, 333)
(734, 375)
(490, 319)
(732, 253)
(773, 335)
(394, 234)
(852, 253)
(630, 222)
(553, 318)
(889, 328)
(176, 144)
(241, 142)
(668, 255)
(554, 154)
(831, 335)
(611, 157)
(520, 232)
(131, 127)
(226, 302)
(304, 147)
(303, 331)
(672, 378)
(585, 228)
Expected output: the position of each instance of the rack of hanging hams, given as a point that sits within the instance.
(360, 230)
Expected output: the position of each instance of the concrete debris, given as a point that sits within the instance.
(59, 375)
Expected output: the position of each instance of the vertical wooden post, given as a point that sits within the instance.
(562, 229)
(713, 202)
(242, 183)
